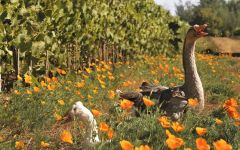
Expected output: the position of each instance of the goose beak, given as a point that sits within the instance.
(200, 30)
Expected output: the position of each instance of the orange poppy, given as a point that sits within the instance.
(148, 102)
(222, 145)
(111, 78)
(19, 144)
(230, 103)
(54, 79)
(174, 142)
(237, 123)
(96, 113)
(218, 121)
(17, 92)
(51, 87)
(111, 94)
(43, 84)
(29, 92)
(192, 102)
(66, 136)
(126, 145)
(19, 77)
(143, 147)
(88, 70)
(177, 127)
(110, 133)
(36, 89)
(126, 104)
(201, 131)
(27, 79)
(202, 144)
(164, 122)
(57, 116)
(61, 71)
(80, 84)
(232, 112)
(103, 127)
(61, 102)
(44, 144)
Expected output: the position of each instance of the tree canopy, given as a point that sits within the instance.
(222, 16)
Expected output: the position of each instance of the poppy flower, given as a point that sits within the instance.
(36, 89)
(218, 121)
(96, 113)
(202, 144)
(230, 103)
(103, 127)
(61, 102)
(177, 127)
(201, 131)
(111, 94)
(44, 144)
(43, 84)
(28, 79)
(143, 147)
(126, 104)
(19, 144)
(66, 136)
(148, 102)
(17, 92)
(51, 87)
(110, 133)
(192, 102)
(80, 84)
(164, 122)
(61, 71)
(54, 79)
(232, 112)
(126, 145)
(19, 77)
(57, 116)
(174, 142)
(222, 145)
(29, 92)
(88, 70)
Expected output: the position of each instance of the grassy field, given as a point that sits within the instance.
(221, 44)
(31, 115)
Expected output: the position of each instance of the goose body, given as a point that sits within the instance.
(174, 100)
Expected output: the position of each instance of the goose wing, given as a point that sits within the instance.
(174, 102)
(152, 90)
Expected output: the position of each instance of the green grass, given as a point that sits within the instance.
(30, 117)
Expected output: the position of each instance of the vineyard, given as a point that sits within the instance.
(55, 53)
(37, 36)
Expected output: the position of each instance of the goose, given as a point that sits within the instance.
(174, 100)
(80, 112)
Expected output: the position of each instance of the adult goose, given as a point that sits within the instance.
(174, 100)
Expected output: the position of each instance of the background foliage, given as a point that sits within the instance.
(222, 16)
(71, 33)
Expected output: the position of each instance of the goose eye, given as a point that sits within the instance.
(75, 109)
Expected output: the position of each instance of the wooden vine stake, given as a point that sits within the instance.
(16, 60)
(0, 78)
(47, 63)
